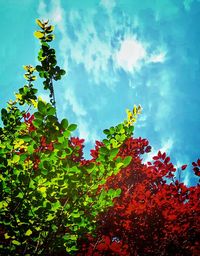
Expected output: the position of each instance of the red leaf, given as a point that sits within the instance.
(163, 156)
(194, 164)
(167, 160)
(198, 162)
(183, 167)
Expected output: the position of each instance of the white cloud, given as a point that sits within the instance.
(157, 58)
(187, 179)
(108, 4)
(187, 4)
(167, 145)
(95, 52)
(86, 132)
(142, 121)
(72, 100)
(183, 176)
(55, 14)
(130, 54)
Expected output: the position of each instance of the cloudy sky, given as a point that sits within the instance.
(117, 53)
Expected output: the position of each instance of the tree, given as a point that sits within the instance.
(50, 197)
(156, 214)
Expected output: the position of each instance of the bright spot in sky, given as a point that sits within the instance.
(158, 58)
(130, 54)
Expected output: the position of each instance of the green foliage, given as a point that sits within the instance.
(47, 56)
(48, 201)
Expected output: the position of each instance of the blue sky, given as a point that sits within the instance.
(117, 53)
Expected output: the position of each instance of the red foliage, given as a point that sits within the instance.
(155, 214)
(77, 146)
(196, 167)
(28, 119)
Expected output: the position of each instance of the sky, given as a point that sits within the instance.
(117, 53)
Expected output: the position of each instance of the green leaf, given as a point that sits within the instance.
(6, 236)
(16, 242)
(50, 217)
(55, 206)
(76, 215)
(3, 112)
(38, 115)
(28, 232)
(46, 164)
(72, 127)
(51, 111)
(37, 122)
(118, 192)
(26, 138)
(114, 152)
(62, 72)
(64, 124)
(39, 68)
(42, 107)
(103, 150)
(20, 195)
(126, 161)
(106, 131)
(16, 158)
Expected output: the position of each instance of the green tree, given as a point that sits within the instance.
(48, 200)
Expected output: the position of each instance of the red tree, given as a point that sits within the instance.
(155, 214)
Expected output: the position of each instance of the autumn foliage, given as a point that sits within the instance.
(155, 214)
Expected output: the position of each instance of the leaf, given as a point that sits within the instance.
(3, 112)
(26, 138)
(49, 29)
(42, 189)
(6, 236)
(28, 232)
(51, 111)
(64, 124)
(76, 215)
(72, 127)
(38, 34)
(126, 161)
(62, 72)
(40, 24)
(38, 115)
(49, 38)
(16, 158)
(39, 68)
(46, 164)
(118, 192)
(20, 195)
(42, 107)
(37, 123)
(114, 152)
(55, 206)
(50, 217)
(183, 167)
(106, 131)
(103, 150)
(16, 242)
